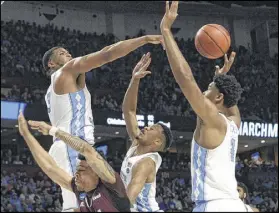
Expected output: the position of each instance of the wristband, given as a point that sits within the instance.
(53, 131)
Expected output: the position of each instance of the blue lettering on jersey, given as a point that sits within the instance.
(48, 102)
(82, 196)
(232, 149)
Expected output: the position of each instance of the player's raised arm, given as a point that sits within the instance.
(129, 106)
(108, 54)
(232, 112)
(93, 158)
(182, 71)
(43, 159)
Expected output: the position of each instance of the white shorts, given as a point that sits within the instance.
(65, 157)
(222, 205)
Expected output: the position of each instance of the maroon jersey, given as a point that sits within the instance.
(105, 197)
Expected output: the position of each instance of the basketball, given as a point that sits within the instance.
(212, 41)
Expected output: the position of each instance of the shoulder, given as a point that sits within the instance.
(145, 164)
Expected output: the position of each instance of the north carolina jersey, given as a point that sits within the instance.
(145, 202)
(213, 171)
(71, 112)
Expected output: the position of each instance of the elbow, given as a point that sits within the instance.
(112, 180)
(127, 109)
(48, 168)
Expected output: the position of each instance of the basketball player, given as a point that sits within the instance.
(215, 140)
(97, 186)
(142, 160)
(244, 196)
(69, 102)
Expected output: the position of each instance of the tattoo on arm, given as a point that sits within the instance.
(73, 141)
(106, 164)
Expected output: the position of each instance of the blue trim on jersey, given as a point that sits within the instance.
(200, 207)
(143, 204)
(199, 161)
(77, 100)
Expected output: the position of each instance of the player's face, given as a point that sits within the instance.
(213, 94)
(85, 178)
(60, 57)
(150, 134)
(241, 192)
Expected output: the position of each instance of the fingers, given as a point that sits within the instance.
(167, 6)
(217, 68)
(21, 117)
(226, 59)
(146, 65)
(232, 56)
(34, 124)
(174, 7)
(147, 72)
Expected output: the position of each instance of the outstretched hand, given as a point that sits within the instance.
(170, 16)
(41, 126)
(227, 65)
(140, 69)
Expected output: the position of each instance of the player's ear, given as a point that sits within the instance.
(244, 195)
(219, 97)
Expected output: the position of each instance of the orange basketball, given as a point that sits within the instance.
(212, 41)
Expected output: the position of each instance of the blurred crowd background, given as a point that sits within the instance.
(25, 188)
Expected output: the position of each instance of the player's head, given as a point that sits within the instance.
(224, 91)
(243, 192)
(85, 177)
(55, 58)
(157, 136)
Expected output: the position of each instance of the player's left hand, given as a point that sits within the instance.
(140, 69)
(41, 126)
(170, 16)
(155, 39)
(22, 125)
(227, 65)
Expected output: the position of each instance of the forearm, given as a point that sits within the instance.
(123, 48)
(73, 141)
(131, 97)
(43, 159)
(180, 68)
(93, 158)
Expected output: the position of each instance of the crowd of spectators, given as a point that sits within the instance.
(22, 193)
(23, 45)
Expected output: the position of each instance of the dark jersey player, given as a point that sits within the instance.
(97, 186)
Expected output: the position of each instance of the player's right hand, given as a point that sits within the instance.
(41, 126)
(227, 65)
(140, 69)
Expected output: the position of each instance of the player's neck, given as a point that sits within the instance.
(141, 150)
(222, 109)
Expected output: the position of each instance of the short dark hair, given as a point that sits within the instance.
(245, 189)
(168, 135)
(47, 56)
(229, 86)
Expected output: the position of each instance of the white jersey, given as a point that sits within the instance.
(71, 112)
(213, 171)
(249, 209)
(145, 201)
